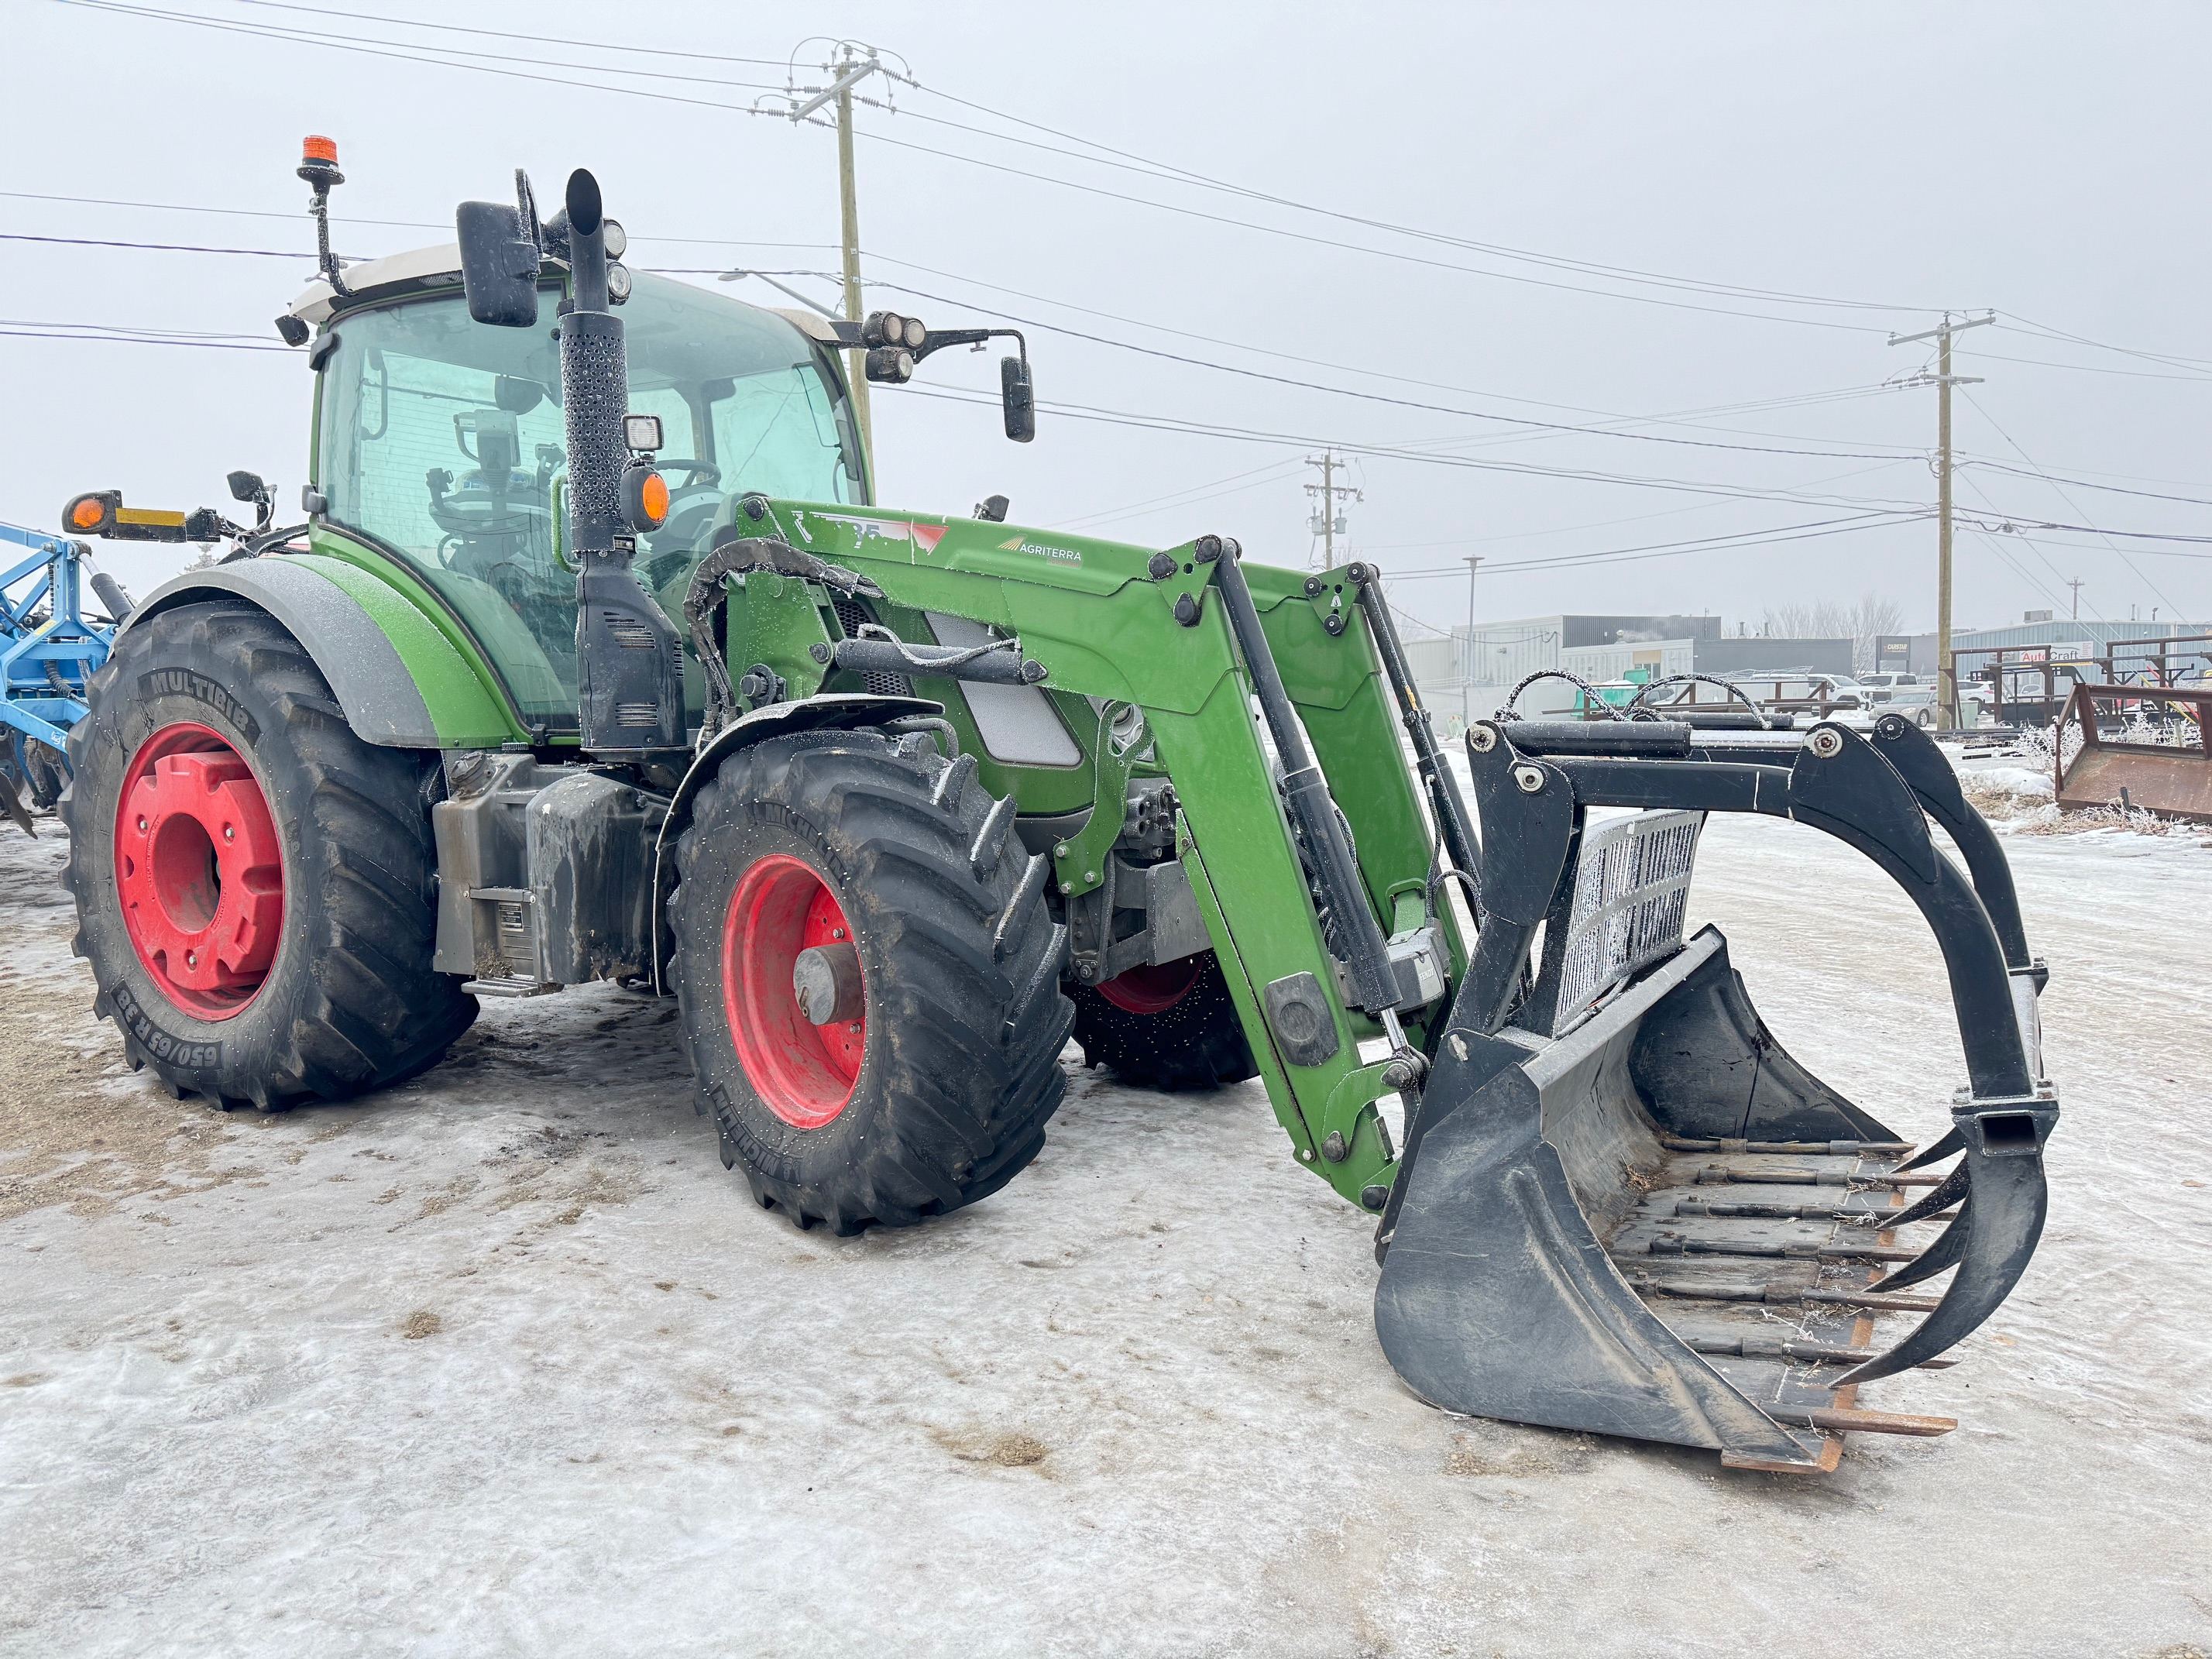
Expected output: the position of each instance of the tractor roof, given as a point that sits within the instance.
(426, 269)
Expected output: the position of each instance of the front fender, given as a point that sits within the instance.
(830, 711)
(378, 651)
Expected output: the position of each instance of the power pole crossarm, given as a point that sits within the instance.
(1327, 521)
(853, 65)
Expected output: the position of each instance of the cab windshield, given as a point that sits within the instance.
(442, 440)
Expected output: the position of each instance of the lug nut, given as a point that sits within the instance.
(229, 832)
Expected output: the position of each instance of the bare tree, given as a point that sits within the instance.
(1831, 619)
(1821, 619)
(1875, 614)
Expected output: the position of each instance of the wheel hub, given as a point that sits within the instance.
(803, 1071)
(199, 871)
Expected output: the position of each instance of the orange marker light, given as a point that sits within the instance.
(315, 148)
(653, 498)
(87, 512)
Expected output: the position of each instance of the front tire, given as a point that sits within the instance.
(931, 1087)
(1171, 1027)
(255, 885)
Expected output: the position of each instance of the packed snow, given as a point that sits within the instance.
(504, 1362)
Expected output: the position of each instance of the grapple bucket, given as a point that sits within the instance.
(1623, 1208)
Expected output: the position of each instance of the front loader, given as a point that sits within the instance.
(893, 804)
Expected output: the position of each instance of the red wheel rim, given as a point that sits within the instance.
(199, 871)
(803, 1072)
(1155, 987)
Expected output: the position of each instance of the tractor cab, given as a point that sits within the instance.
(440, 441)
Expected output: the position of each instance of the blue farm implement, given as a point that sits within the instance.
(49, 649)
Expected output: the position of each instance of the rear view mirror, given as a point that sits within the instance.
(245, 486)
(1017, 397)
(516, 395)
(499, 263)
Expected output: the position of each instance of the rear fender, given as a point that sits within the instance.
(376, 648)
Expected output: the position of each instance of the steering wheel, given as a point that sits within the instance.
(696, 474)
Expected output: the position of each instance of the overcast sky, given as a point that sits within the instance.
(2043, 160)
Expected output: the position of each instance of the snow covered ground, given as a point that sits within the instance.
(504, 1362)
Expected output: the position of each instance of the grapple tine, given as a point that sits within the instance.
(1943, 1253)
(1998, 1231)
(1936, 1154)
(1950, 1190)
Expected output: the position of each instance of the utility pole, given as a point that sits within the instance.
(854, 64)
(2074, 611)
(1467, 676)
(1327, 522)
(1946, 679)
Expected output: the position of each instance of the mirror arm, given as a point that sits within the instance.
(938, 338)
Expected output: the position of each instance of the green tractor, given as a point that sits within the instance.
(595, 659)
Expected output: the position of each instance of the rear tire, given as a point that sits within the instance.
(934, 1091)
(326, 926)
(1195, 1040)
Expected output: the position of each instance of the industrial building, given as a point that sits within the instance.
(1471, 672)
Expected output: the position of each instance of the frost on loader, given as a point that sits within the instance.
(595, 659)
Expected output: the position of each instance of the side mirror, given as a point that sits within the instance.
(499, 263)
(245, 486)
(1018, 397)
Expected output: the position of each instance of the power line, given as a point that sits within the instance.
(686, 53)
(2028, 325)
(2086, 368)
(2056, 478)
(1528, 422)
(161, 248)
(2067, 499)
(1400, 402)
(1690, 544)
(1797, 400)
(1165, 169)
(409, 52)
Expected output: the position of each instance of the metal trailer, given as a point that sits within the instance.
(2121, 762)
